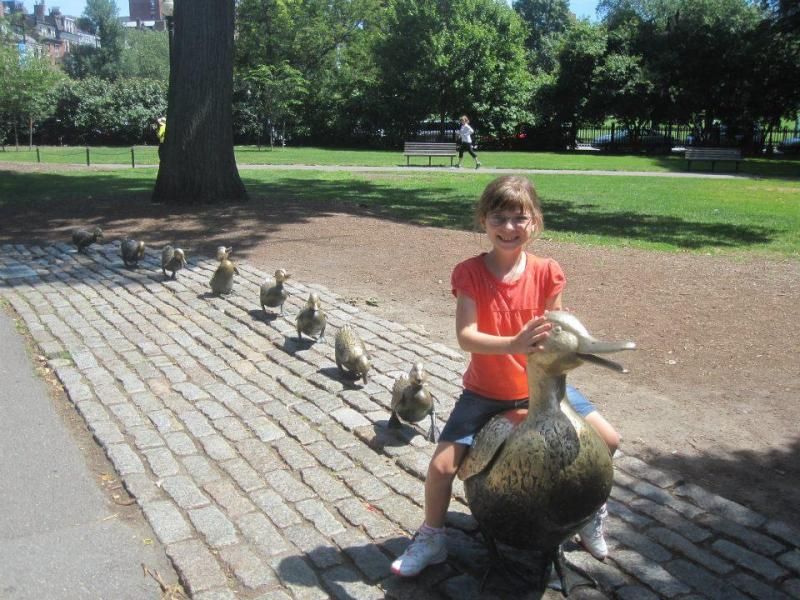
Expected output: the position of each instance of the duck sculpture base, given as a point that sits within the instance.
(534, 477)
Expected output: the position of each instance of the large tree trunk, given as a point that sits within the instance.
(197, 164)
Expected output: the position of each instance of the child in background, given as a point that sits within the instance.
(501, 299)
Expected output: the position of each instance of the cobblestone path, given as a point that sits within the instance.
(266, 475)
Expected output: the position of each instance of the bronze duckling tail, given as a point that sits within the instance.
(222, 279)
(274, 294)
(172, 259)
(312, 319)
(131, 251)
(412, 402)
(83, 238)
(351, 354)
(534, 478)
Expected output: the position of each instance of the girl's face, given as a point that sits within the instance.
(508, 230)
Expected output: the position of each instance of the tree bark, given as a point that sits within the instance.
(198, 164)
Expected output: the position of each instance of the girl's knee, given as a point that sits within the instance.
(605, 430)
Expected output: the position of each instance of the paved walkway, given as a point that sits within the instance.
(433, 169)
(265, 475)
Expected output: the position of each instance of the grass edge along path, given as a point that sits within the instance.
(736, 216)
(250, 155)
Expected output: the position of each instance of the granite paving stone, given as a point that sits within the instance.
(269, 475)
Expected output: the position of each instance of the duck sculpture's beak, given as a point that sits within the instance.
(589, 348)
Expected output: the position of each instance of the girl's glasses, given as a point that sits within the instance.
(498, 220)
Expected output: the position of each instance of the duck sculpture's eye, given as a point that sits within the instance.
(556, 329)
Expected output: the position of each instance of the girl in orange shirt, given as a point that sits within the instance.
(501, 298)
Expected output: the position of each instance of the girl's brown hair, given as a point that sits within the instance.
(512, 193)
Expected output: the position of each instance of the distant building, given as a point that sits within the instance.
(145, 10)
(53, 35)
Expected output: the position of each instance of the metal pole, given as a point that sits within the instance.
(88, 162)
(133, 159)
(38, 156)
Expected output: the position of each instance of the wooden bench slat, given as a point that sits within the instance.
(713, 155)
(430, 149)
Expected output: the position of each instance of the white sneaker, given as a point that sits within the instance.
(425, 549)
(591, 535)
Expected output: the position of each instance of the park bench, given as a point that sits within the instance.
(430, 149)
(714, 155)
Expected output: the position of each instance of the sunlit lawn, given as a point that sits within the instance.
(580, 160)
(659, 213)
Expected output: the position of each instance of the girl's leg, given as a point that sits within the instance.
(439, 482)
(604, 429)
(429, 546)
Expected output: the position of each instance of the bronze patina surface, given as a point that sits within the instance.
(412, 401)
(312, 319)
(351, 354)
(534, 479)
(273, 294)
(172, 259)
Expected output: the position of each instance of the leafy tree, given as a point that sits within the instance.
(146, 55)
(198, 164)
(100, 17)
(27, 90)
(568, 96)
(277, 93)
(449, 58)
(547, 20)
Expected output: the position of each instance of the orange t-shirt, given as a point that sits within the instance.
(503, 308)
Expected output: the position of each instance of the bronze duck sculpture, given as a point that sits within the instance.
(351, 354)
(312, 319)
(131, 251)
(172, 259)
(222, 279)
(274, 294)
(533, 478)
(412, 402)
(83, 238)
(224, 253)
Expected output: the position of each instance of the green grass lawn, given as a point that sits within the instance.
(658, 213)
(581, 161)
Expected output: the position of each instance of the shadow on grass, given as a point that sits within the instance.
(39, 207)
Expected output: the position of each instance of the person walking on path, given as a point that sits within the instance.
(502, 297)
(465, 137)
(161, 134)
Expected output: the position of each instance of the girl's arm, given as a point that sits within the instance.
(527, 340)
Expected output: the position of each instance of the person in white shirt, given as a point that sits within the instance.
(465, 135)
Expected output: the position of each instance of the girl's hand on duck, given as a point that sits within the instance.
(531, 336)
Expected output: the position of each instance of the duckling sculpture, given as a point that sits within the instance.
(223, 253)
(273, 295)
(412, 402)
(312, 319)
(351, 354)
(533, 479)
(222, 279)
(83, 238)
(131, 252)
(172, 259)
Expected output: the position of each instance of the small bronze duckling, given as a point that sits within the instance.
(222, 279)
(131, 252)
(172, 259)
(533, 478)
(224, 253)
(312, 320)
(83, 238)
(351, 354)
(273, 295)
(412, 402)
